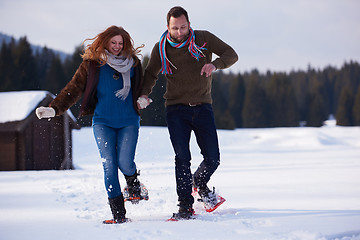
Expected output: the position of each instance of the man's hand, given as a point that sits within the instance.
(45, 112)
(143, 101)
(207, 69)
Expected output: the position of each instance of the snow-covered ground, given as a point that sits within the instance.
(280, 183)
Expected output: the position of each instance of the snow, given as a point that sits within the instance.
(279, 183)
(16, 106)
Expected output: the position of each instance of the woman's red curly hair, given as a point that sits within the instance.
(96, 50)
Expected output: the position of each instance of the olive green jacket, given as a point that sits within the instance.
(185, 85)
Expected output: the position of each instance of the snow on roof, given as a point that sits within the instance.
(16, 106)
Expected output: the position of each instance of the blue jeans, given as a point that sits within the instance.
(181, 121)
(117, 149)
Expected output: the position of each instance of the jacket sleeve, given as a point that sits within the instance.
(72, 92)
(226, 54)
(152, 71)
(137, 84)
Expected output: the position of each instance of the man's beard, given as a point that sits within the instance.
(183, 38)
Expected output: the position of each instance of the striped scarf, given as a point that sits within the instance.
(194, 50)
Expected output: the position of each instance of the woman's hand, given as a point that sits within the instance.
(45, 112)
(143, 101)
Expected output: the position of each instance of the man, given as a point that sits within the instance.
(185, 57)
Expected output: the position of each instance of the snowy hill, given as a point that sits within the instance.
(280, 183)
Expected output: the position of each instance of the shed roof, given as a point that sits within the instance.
(17, 105)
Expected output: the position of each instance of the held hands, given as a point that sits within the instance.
(143, 101)
(45, 112)
(207, 69)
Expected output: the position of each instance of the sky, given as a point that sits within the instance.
(275, 35)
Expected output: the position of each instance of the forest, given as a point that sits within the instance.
(240, 100)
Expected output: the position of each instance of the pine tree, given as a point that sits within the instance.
(236, 100)
(72, 63)
(299, 81)
(223, 118)
(55, 79)
(25, 66)
(283, 106)
(43, 59)
(6, 68)
(318, 108)
(330, 74)
(344, 111)
(348, 75)
(255, 111)
(316, 113)
(356, 108)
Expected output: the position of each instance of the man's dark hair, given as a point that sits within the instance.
(177, 12)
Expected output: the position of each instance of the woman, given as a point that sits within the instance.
(110, 80)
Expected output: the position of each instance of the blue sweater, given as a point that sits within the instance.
(111, 110)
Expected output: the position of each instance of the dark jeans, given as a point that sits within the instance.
(181, 121)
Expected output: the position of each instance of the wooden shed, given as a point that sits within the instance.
(27, 143)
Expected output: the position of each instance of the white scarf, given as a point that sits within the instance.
(123, 66)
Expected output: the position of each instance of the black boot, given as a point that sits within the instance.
(118, 210)
(203, 191)
(133, 184)
(183, 214)
(208, 197)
